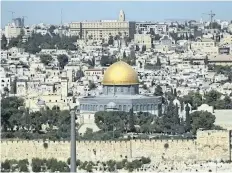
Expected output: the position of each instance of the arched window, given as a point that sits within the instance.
(104, 107)
(128, 108)
(152, 107)
(141, 108)
(144, 107)
(101, 107)
(137, 107)
(120, 107)
(124, 107)
(134, 107)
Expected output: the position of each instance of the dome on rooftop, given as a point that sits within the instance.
(120, 73)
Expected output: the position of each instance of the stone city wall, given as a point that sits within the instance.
(208, 146)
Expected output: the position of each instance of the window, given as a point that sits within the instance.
(144, 108)
(124, 107)
(137, 107)
(152, 107)
(91, 107)
(120, 107)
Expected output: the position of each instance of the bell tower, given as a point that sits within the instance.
(121, 16)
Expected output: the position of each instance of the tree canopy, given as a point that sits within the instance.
(36, 42)
(3, 42)
(63, 60)
(107, 60)
(202, 119)
(45, 59)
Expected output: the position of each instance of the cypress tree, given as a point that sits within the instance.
(187, 121)
(131, 120)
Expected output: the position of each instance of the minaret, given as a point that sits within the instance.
(121, 16)
(64, 85)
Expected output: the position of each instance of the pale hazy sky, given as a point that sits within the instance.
(49, 11)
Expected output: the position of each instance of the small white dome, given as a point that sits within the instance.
(176, 102)
(111, 105)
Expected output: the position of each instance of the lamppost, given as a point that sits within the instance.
(73, 141)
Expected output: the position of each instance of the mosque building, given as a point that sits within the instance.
(120, 93)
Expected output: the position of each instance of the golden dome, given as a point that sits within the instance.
(120, 73)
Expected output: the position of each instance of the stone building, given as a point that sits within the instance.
(143, 39)
(121, 89)
(97, 30)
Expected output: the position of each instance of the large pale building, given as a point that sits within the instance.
(98, 30)
(12, 31)
(143, 39)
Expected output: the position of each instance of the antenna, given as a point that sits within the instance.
(61, 17)
(12, 14)
(23, 17)
(211, 14)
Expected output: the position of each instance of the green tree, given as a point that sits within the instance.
(206, 61)
(63, 60)
(13, 89)
(228, 102)
(5, 166)
(46, 59)
(158, 63)
(143, 48)
(89, 168)
(212, 97)
(124, 55)
(145, 160)
(32, 48)
(23, 165)
(51, 29)
(158, 91)
(136, 48)
(79, 74)
(111, 40)
(106, 60)
(174, 92)
(171, 119)
(188, 118)
(159, 110)
(131, 121)
(157, 37)
(36, 165)
(202, 119)
(92, 85)
(10, 108)
(3, 42)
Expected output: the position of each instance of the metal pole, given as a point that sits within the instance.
(73, 142)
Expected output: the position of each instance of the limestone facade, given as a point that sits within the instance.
(209, 146)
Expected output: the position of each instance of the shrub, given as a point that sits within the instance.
(145, 160)
(45, 145)
(166, 146)
(6, 166)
